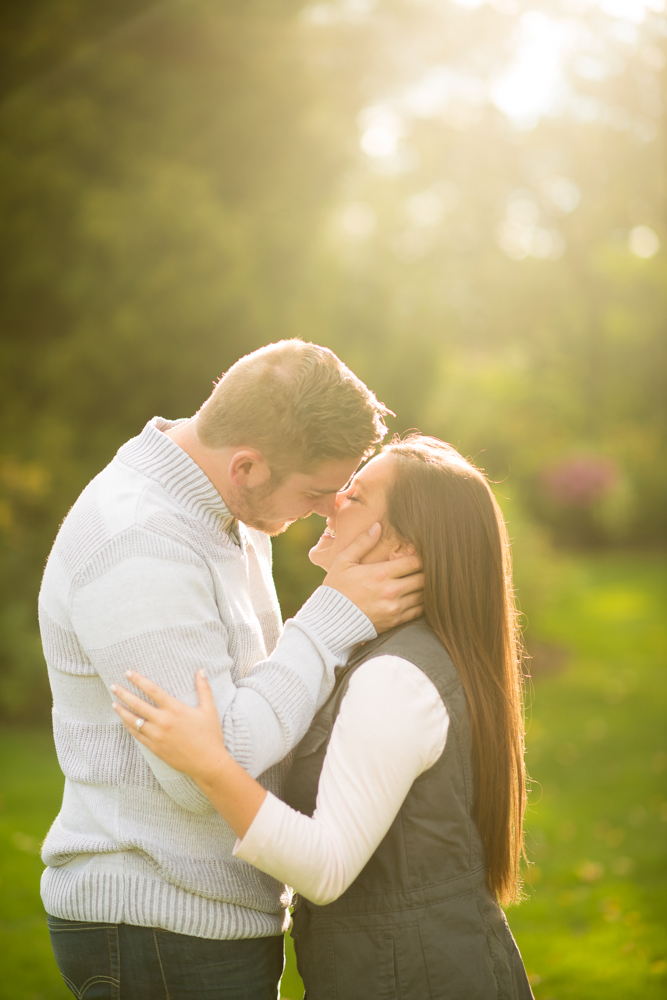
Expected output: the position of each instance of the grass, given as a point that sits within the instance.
(30, 796)
(593, 925)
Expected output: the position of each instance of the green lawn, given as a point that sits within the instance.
(593, 926)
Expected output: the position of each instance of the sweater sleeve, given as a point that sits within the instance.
(160, 617)
(392, 727)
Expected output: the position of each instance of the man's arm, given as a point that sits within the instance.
(329, 624)
(159, 616)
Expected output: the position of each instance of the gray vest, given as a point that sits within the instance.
(418, 923)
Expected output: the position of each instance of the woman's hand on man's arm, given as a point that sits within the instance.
(191, 740)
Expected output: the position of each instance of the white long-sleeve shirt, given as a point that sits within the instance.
(392, 726)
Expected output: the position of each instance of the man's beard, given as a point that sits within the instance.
(251, 507)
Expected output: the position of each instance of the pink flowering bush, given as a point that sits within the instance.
(580, 481)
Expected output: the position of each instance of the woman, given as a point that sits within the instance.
(402, 822)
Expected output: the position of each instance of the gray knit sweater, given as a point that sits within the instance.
(150, 571)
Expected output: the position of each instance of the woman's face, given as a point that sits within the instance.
(357, 508)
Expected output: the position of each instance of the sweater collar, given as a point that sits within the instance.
(155, 455)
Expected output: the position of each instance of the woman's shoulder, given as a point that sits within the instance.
(417, 643)
(390, 697)
(414, 639)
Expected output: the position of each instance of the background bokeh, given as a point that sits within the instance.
(465, 200)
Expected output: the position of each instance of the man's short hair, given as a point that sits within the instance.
(297, 404)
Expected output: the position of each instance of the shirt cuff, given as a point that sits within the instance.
(333, 619)
(251, 847)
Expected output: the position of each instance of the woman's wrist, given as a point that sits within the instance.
(211, 771)
(231, 790)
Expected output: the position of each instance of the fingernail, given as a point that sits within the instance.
(374, 528)
(113, 688)
(129, 673)
(115, 705)
(202, 673)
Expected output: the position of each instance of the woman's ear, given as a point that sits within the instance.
(400, 549)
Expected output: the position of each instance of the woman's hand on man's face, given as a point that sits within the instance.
(188, 739)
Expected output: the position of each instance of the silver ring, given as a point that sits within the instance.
(139, 723)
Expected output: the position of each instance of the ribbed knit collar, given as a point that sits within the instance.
(161, 459)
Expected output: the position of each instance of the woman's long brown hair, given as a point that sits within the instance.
(444, 506)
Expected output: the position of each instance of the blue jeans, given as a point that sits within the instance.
(122, 962)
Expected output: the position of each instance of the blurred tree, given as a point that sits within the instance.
(464, 201)
(162, 177)
(498, 235)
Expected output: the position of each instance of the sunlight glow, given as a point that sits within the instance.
(562, 193)
(519, 235)
(381, 130)
(533, 84)
(633, 11)
(357, 221)
(643, 242)
(324, 15)
(440, 87)
(428, 208)
(547, 55)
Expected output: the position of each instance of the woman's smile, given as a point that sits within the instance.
(330, 528)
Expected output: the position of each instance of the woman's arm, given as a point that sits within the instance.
(191, 741)
(392, 726)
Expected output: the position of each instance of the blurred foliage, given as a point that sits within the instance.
(184, 181)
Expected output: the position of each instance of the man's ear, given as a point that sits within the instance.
(248, 469)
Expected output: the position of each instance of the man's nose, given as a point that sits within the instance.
(326, 505)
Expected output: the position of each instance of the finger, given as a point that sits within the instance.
(206, 702)
(362, 545)
(154, 692)
(404, 566)
(413, 600)
(129, 720)
(413, 584)
(410, 615)
(143, 708)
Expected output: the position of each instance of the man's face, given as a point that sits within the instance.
(272, 509)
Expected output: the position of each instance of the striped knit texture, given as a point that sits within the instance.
(150, 571)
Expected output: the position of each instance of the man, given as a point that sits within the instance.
(164, 565)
